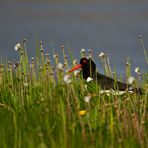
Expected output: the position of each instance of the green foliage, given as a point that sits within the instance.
(39, 109)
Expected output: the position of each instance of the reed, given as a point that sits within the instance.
(42, 106)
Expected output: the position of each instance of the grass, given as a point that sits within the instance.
(38, 108)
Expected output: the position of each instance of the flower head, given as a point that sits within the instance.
(139, 36)
(102, 54)
(131, 80)
(137, 70)
(89, 79)
(76, 72)
(82, 50)
(75, 62)
(87, 98)
(17, 47)
(82, 112)
(55, 56)
(67, 79)
(60, 66)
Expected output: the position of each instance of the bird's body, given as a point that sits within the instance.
(89, 70)
(108, 83)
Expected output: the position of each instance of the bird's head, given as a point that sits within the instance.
(88, 67)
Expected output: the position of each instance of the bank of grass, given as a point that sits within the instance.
(38, 108)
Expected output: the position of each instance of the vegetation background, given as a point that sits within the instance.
(40, 105)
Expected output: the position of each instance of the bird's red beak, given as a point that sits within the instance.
(75, 68)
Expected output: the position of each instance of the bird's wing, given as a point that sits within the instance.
(109, 83)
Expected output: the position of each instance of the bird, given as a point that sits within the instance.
(89, 70)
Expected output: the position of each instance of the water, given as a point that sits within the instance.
(111, 27)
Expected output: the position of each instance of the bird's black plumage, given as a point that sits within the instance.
(89, 70)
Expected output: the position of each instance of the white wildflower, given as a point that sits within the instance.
(89, 79)
(102, 54)
(140, 36)
(75, 62)
(76, 72)
(137, 70)
(131, 80)
(47, 54)
(87, 99)
(82, 50)
(101, 92)
(17, 46)
(60, 66)
(54, 56)
(128, 64)
(130, 88)
(67, 79)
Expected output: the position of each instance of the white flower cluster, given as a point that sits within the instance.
(17, 47)
(131, 80)
(101, 55)
(137, 70)
(82, 50)
(87, 98)
(89, 79)
(60, 66)
(67, 79)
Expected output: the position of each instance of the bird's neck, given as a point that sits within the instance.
(87, 74)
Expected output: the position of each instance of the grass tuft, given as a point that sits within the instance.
(40, 107)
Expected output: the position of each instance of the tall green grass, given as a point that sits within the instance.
(38, 108)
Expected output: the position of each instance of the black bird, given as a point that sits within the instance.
(89, 70)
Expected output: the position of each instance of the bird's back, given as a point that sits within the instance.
(109, 83)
